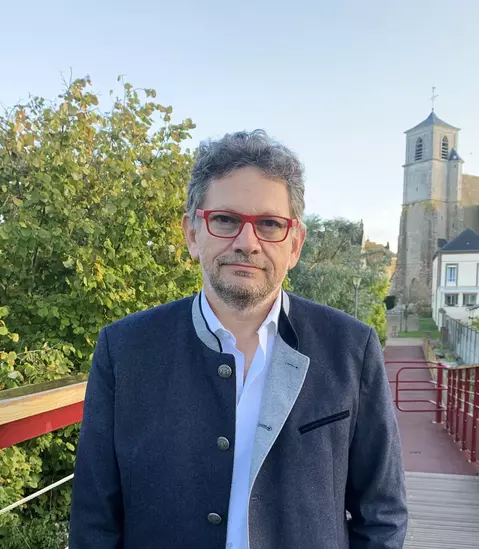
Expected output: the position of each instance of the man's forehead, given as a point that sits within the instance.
(247, 173)
(251, 190)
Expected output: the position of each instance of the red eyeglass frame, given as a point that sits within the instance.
(205, 214)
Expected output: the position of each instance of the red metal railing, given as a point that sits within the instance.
(455, 402)
(33, 410)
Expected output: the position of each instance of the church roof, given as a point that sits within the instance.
(455, 156)
(467, 241)
(432, 120)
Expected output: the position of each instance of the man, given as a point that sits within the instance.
(243, 417)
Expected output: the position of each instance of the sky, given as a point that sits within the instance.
(337, 82)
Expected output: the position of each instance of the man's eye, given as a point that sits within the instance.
(224, 219)
(270, 223)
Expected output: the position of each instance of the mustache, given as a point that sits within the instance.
(240, 258)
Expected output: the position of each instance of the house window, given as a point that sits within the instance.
(451, 275)
(469, 299)
(418, 153)
(445, 148)
(451, 300)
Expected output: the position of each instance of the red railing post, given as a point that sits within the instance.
(440, 382)
(465, 410)
(475, 416)
(449, 400)
(460, 388)
(397, 388)
(454, 401)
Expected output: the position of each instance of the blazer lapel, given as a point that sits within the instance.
(286, 376)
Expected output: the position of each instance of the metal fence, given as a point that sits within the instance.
(462, 339)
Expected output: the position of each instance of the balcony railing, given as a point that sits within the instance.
(33, 410)
(451, 393)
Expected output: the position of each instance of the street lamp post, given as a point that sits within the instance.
(356, 283)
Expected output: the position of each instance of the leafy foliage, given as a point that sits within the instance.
(90, 211)
(39, 533)
(331, 256)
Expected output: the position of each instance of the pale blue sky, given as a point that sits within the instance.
(336, 81)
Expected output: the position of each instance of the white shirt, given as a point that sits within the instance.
(248, 403)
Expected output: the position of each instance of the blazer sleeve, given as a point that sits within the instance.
(96, 515)
(375, 492)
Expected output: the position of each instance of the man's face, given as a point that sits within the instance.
(244, 271)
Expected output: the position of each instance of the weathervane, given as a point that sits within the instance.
(433, 97)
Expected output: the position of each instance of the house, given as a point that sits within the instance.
(455, 277)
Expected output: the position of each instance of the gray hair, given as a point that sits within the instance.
(217, 159)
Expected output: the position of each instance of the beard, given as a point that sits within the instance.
(241, 297)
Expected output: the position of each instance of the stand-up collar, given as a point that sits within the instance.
(210, 339)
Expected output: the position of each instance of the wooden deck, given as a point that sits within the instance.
(443, 511)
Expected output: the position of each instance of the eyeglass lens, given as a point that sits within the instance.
(269, 228)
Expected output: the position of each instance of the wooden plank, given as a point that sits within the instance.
(32, 400)
(23, 390)
(40, 424)
(443, 511)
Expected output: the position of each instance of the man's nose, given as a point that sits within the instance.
(247, 241)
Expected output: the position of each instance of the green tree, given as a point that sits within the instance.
(90, 211)
(331, 256)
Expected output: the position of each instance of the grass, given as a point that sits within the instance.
(420, 334)
(427, 324)
(427, 327)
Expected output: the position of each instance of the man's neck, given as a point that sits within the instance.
(242, 324)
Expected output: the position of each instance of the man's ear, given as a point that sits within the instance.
(190, 235)
(298, 237)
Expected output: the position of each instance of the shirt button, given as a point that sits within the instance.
(225, 371)
(214, 518)
(223, 443)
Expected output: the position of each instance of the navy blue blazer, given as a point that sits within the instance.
(150, 472)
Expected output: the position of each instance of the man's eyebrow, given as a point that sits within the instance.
(265, 212)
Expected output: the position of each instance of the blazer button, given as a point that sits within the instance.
(225, 371)
(223, 443)
(214, 518)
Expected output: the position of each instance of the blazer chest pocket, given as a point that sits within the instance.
(324, 421)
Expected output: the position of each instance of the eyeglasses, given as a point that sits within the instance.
(228, 224)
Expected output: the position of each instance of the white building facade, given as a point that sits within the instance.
(455, 278)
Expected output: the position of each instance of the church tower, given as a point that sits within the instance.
(431, 204)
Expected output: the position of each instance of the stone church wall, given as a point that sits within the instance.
(470, 190)
(471, 217)
(470, 201)
(421, 223)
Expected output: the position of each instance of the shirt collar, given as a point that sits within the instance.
(215, 325)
